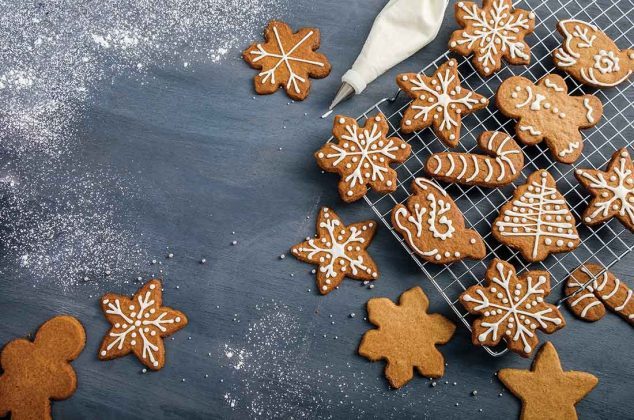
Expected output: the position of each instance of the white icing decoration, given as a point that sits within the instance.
(494, 33)
(536, 105)
(586, 104)
(553, 85)
(286, 58)
(532, 130)
(515, 320)
(571, 148)
(538, 219)
(620, 193)
(594, 289)
(529, 98)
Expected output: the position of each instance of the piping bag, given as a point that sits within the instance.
(402, 28)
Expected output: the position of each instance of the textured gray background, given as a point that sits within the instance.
(207, 157)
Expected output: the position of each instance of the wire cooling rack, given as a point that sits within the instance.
(607, 243)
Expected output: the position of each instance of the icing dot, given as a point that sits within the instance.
(437, 257)
(155, 363)
(560, 242)
(570, 244)
(105, 301)
(472, 241)
(177, 319)
(548, 241)
(388, 183)
(152, 286)
(483, 100)
(103, 352)
(531, 15)
(377, 118)
(404, 77)
(408, 122)
(451, 63)
(453, 44)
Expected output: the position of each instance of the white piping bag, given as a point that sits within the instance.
(402, 28)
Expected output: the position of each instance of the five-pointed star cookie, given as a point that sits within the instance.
(406, 337)
(438, 101)
(139, 325)
(362, 156)
(339, 250)
(546, 391)
(287, 59)
(612, 191)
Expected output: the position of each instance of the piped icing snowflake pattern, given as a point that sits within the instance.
(438, 101)
(406, 337)
(492, 32)
(433, 226)
(338, 250)
(362, 156)
(287, 59)
(590, 56)
(537, 220)
(511, 307)
(545, 111)
(612, 191)
(139, 325)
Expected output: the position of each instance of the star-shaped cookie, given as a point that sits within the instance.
(139, 325)
(547, 391)
(406, 337)
(438, 101)
(338, 250)
(362, 156)
(287, 59)
(612, 191)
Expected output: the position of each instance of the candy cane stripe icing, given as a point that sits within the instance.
(433, 227)
(603, 289)
(501, 164)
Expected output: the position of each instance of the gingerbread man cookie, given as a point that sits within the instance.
(547, 391)
(39, 371)
(492, 32)
(287, 59)
(545, 111)
(512, 308)
(590, 56)
(362, 156)
(612, 191)
(501, 165)
(139, 325)
(433, 226)
(406, 337)
(338, 250)
(602, 288)
(537, 221)
(438, 101)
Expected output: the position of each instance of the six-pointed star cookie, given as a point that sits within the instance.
(339, 250)
(438, 101)
(287, 59)
(139, 325)
(362, 156)
(612, 191)
(546, 391)
(406, 337)
(492, 32)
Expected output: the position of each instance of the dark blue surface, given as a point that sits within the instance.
(208, 159)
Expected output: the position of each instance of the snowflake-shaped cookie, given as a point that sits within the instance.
(537, 221)
(491, 33)
(139, 325)
(406, 337)
(338, 250)
(438, 101)
(362, 156)
(612, 191)
(545, 111)
(287, 59)
(512, 308)
(590, 56)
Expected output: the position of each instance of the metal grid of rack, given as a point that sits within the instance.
(607, 243)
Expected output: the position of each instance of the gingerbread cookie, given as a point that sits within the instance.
(590, 56)
(433, 226)
(139, 325)
(438, 101)
(546, 391)
(501, 164)
(602, 289)
(406, 337)
(492, 32)
(537, 221)
(546, 112)
(287, 59)
(338, 250)
(512, 308)
(39, 371)
(363, 156)
(612, 191)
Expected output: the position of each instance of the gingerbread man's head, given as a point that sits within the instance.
(36, 372)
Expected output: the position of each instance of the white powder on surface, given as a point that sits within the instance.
(61, 225)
